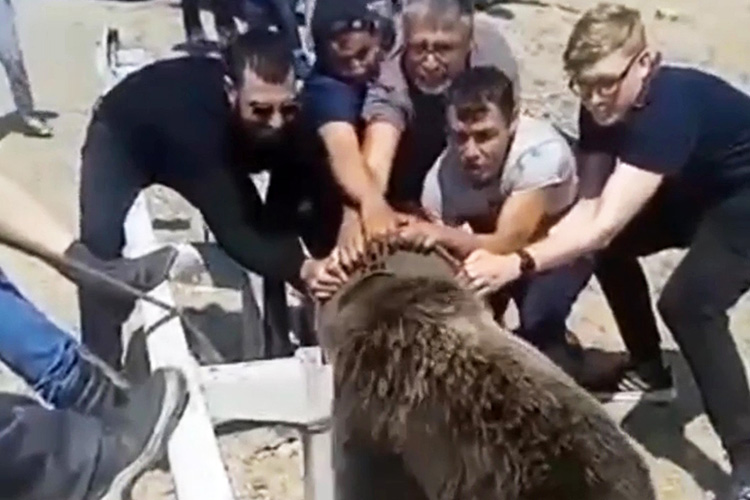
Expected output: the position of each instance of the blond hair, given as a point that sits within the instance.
(601, 31)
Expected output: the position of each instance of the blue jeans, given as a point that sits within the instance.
(545, 300)
(44, 355)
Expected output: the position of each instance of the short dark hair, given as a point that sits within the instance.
(264, 50)
(476, 87)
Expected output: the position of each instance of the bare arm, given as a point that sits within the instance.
(520, 219)
(347, 161)
(375, 215)
(593, 171)
(379, 148)
(623, 196)
(591, 226)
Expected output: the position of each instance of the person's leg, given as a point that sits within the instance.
(191, 21)
(136, 433)
(50, 360)
(69, 456)
(711, 278)
(666, 222)
(110, 183)
(625, 287)
(46, 453)
(224, 19)
(11, 58)
(29, 227)
(544, 302)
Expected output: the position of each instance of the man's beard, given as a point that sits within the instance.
(265, 137)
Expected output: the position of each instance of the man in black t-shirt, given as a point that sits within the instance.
(665, 162)
(201, 126)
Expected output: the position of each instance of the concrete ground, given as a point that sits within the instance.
(59, 41)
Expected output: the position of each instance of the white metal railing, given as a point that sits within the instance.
(295, 391)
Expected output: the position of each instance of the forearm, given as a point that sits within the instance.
(580, 232)
(355, 180)
(271, 256)
(379, 150)
(594, 222)
(350, 223)
(462, 243)
(239, 229)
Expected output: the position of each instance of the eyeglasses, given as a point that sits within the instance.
(604, 86)
(264, 111)
(441, 51)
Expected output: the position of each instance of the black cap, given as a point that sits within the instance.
(333, 16)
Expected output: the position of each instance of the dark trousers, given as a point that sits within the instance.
(222, 10)
(710, 279)
(544, 301)
(12, 60)
(254, 12)
(45, 453)
(110, 182)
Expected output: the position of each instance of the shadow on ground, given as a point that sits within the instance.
(661, 429)
(11, 122)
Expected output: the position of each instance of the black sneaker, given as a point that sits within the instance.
(567, 356)
(100, 389)
(648, 382)
(143, 273)
(739, 486)
(739, 492)
(135, 435)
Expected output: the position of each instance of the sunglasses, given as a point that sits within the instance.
(264, 111)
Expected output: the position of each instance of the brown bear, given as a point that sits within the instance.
(469, 411)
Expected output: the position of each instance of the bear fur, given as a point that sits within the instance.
(423, 371)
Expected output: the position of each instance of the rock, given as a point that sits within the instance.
(663, 13)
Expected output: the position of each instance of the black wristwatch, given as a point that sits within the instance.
(528, 264)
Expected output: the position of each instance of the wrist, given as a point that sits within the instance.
(525, 262)
(306, 269)
(372, 202)
(351, 215)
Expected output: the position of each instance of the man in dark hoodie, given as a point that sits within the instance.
(201, 126)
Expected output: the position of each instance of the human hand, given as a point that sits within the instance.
(424, 235)
(351, 241)
(484, 272)
(379, 219)
(323, 277)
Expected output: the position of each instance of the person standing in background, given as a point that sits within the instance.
(11, 58)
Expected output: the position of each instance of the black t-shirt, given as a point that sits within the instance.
(423, 140)
(175, 121)
(326, 99)
(693, 127)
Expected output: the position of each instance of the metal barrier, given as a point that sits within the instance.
(295, 391)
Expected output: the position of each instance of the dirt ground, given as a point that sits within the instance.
(59, 40)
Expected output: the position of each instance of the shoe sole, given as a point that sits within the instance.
(662, 396)
(175, 402)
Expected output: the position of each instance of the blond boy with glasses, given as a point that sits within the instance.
(665, 162)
